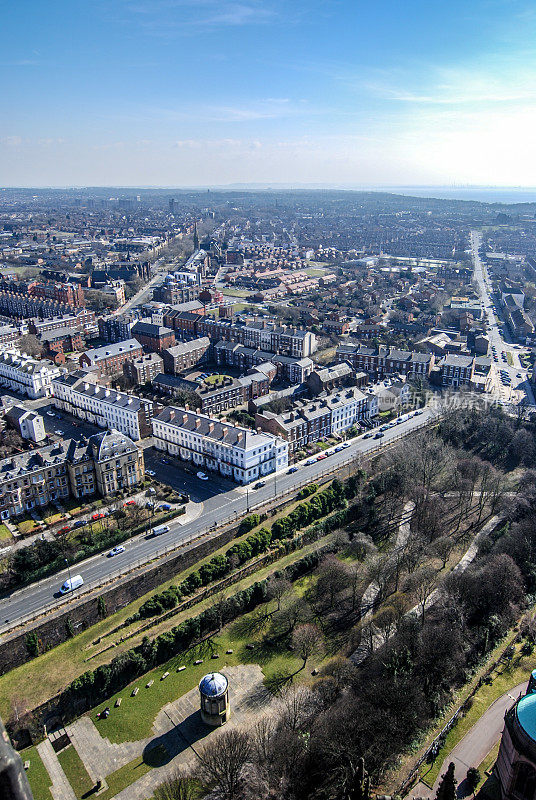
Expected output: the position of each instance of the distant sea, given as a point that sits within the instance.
(483, 194)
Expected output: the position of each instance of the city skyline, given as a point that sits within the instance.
(184, 93)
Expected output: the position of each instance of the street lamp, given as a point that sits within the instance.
(247, 499)
(69, 573)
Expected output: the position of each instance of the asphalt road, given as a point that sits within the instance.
(221, 502)
(519, 389)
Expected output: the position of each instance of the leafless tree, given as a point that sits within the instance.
(295, 708)
(223, 761)
(362, 546)
(307, 640)
(422, 584)
(277, 588)
(333, 578)
(442, 548)
(179, 786)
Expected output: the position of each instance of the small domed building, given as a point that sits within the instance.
(515, 767)
(214, 694)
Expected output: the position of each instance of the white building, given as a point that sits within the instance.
(348, 406)
(27, 375)
(236, 452)
(107, 408)
(30, 424)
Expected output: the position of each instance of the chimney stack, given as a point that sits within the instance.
(171, 414)
(210, 427)
(184, 419)
(197, 423)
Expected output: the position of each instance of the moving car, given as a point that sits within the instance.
(116, 550)
(71, 584)
(202, 476)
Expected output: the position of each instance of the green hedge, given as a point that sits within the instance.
(259, 542)
(97, 685)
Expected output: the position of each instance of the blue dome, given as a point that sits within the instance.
(213, 685)
(526, 714)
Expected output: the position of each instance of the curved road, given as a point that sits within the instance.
(218, 508)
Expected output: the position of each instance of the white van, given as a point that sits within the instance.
(160, 529)
(71, 584)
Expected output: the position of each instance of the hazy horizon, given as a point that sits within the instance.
(212, 92)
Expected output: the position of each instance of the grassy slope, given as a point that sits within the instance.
(48, 674)
(38, 777)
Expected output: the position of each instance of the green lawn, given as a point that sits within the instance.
(53, 518)
(123, 777)
(37, 775)
(212, 379)
(4, 532)
(27, 526)
(46, 675)
(135, 717)
(315, 272)
(74, 769)
(236, 292)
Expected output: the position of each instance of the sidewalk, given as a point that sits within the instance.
(475, 745)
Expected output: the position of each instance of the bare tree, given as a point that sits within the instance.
(442, 548)
(179, 786)
(223, 761)
(333, 578)
(277, 588)
(296, 706)
(307, 640)
(422, 584)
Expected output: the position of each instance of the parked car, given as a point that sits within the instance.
(150, 491)
(379, 435)
(292, 470)
(50, 414)
(310, 461)
(259, 484)
(116, 550)
(345, 445)
(79, 523)
(65, 529)
(150, 472)
(163, 507)
(130, 503)
(58, 432)
(202, 476)
(97, 515)
(160, 529)
(321, 457)
(338, 448)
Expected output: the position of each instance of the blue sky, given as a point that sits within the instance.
(197, 92)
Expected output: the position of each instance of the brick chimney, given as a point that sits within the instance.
(197, 423)
(171, 414)
(184, 419)
(210, 427)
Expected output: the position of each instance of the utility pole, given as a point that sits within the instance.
(69, 573)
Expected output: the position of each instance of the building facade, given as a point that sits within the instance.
(105, 463)
(109, 360)
(26, 375)
(104, 407)
(236, 452)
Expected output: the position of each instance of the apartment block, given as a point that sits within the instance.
(27, 375)
(109, 359)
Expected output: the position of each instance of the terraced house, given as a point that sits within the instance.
(104, 464)
(76, 394)
(236, 452)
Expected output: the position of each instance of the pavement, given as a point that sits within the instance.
(223, 503)
(475, 745)
(178, 731)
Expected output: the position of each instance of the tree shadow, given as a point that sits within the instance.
(163, 749)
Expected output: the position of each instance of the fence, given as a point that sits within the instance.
(243, 508)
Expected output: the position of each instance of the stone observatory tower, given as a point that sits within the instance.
(214, 692)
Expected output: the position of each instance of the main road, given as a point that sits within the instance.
(215, 503)
(520, 390)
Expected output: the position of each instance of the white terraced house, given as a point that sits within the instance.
(238, 453)
(107, 408)
(27, 375)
